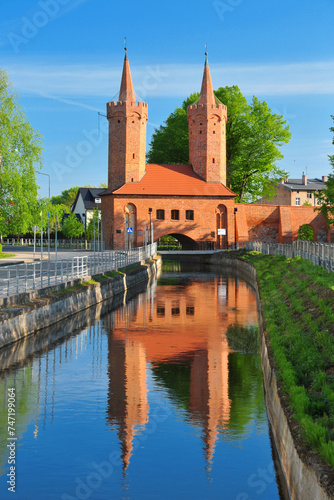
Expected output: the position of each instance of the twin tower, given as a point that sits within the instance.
(127, 134)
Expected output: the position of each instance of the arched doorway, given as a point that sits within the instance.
(221, 226)
(130, 222)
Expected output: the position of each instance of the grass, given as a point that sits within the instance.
(297, 302)
(4, 255)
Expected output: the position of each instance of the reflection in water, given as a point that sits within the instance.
(130, 386)
(184, 327)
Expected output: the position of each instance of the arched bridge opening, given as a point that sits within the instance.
(174, 241)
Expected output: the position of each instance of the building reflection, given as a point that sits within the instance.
(184, 324)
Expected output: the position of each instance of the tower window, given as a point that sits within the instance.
(175, 215)
(161, 214)
(213, 160)
(133, 121)
(189, 214)
(201, 123)
(200, 131)
(133, 156)
(118, 121)
(214, 132)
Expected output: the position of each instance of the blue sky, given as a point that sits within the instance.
(65, 59)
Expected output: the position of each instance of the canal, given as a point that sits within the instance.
(158, 398)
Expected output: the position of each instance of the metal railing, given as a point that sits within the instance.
(32, 276)
(319, 254)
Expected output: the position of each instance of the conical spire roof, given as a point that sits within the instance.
(207, 96)
(126, 92)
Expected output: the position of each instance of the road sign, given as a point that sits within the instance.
(221, 232)
(129, 230)
(35, 229)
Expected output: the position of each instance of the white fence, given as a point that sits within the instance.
(24, 277)
(319, 254)
(61, 243)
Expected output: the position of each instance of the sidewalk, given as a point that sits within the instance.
(21, 258)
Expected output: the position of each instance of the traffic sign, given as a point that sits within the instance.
(35, 229)
(129, 230)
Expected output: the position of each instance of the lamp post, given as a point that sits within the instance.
(150, 214)
(235, 227)
(41, 173)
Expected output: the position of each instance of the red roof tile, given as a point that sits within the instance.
(173, 180)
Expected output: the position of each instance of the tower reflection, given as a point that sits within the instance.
(185, 325)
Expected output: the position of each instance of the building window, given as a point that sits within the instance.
(190, 310)
(133, 155)
(213, 160)
(309, 194)
(297, 202)
(214, 132)
(118, 121)
(161, 214)
(175, 215)
(189, 214)
(160, 311)
(200, 131)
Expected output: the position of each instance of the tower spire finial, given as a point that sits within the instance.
(126, 92)
(206, 55)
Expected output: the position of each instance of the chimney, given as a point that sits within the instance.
(324, 178)
(304, 179)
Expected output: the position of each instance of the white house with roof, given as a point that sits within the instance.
(86, 201)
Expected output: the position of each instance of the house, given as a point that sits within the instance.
(87, 200)
(297, 192)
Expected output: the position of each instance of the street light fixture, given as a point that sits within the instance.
(235, 227)
(42, 173)
(150, 214)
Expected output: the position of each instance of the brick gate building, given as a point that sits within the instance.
(190, 202)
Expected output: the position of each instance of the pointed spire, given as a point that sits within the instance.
(207, 96)
(126, 92)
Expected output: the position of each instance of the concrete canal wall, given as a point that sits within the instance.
(27, 313)
(305, 476)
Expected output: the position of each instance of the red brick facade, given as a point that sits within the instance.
(189, 202)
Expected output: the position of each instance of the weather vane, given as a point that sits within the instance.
(125, 48)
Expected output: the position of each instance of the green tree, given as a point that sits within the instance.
(94, 223)
(253, 136)
(305, 232)
(326, 197)
(66, 197)
(72, 227)
(20, 155)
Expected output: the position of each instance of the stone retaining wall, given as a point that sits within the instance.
(305, 477)
(33, 311)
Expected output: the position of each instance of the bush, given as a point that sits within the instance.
(305, 232)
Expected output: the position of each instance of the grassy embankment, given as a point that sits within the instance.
(297, 300)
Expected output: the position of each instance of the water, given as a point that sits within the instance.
(159, 399)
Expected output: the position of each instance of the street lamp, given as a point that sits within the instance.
(150, 214)
(41, 173)
(235, 227)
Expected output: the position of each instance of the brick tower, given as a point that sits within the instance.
(127, 134)
(207, 133)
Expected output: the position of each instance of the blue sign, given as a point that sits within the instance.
(129, 230)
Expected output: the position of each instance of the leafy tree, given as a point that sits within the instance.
(253, 135)
(94, 223)
(305, 232)
(72, 227)
(326, 197)
(66, 197)
(20, 155)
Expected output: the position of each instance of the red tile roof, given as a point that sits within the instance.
(173, 180)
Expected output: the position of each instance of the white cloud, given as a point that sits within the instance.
(98, 80)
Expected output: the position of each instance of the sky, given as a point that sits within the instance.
(65, 58)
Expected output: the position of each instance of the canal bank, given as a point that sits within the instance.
(307, 475)
(27, 313)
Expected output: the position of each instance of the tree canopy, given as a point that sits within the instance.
(326, 197)
(20, 156)
(72, 227)
(253, 137)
